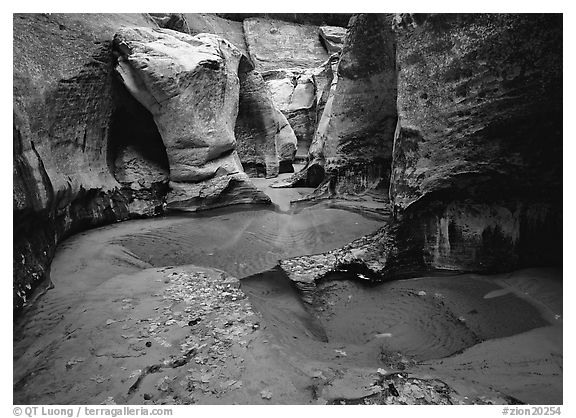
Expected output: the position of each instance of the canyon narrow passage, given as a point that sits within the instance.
(287, 209)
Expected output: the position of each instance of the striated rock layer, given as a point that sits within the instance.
(63, 140)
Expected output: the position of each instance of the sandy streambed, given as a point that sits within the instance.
(479, 334)
(118, 269)
(152, 311)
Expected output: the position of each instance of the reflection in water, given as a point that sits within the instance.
(246, 242)
(239, 241)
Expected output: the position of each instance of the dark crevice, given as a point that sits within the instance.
(133, 127)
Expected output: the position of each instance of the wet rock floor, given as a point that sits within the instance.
(474, 339)
(152, 312)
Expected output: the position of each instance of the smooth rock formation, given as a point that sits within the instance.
(294, 90)
(265, 140)
(260, 129)
(233, 188)
(190, 86)
(298, 94)
(355, 137)
(292, 60)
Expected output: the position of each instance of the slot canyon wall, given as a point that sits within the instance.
(355, 137)
(456, 119)
(476, 166)
(100, 136)
(66, 108)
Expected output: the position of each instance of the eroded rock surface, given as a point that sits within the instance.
(190, 85)
(353, 139)
(474, 187)
(266, 141)
(64, 106)
(196, 23)
(477, 154)
(298, 87)
(293, 61)
(355, 134)
(274, 44)
(299, 94)
(137, 154)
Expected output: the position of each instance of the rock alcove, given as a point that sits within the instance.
(137, 155)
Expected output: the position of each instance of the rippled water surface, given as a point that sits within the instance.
(246, 242)
(241, 241)
(388, 326)
(409, 320)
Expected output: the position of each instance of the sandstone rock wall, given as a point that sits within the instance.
(137, 155)
(190, 85)
(266, 141)
(476, 168)
(476, 173)
(354, 138)
(275, 44)
(196, 23)
(299, 95)
(476, 163)
(62, 162)
(87, 153)
(332, 37)
(292, 60)
(291, 54)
